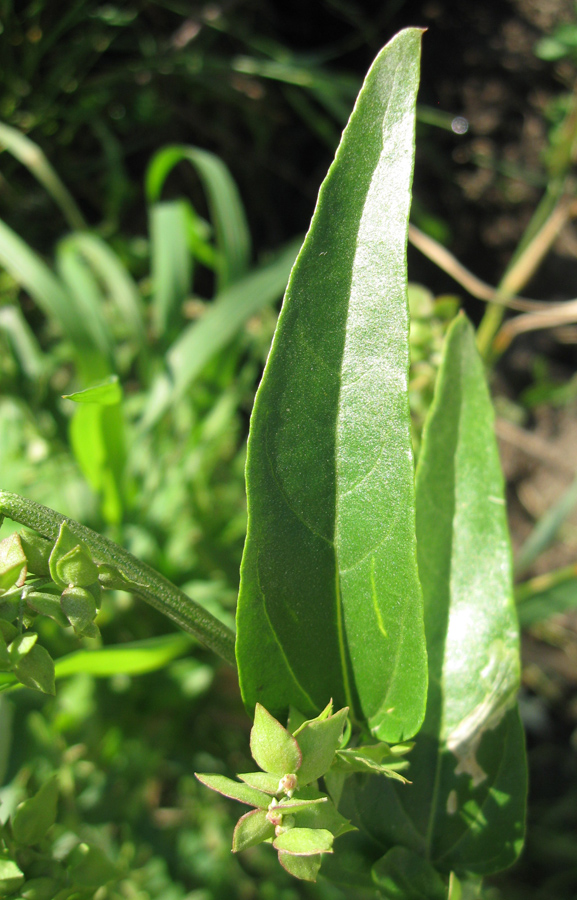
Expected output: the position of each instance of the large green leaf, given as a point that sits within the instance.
(330, 604)
(465, 808)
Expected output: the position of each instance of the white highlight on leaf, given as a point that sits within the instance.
(500, 678)
(452, 803)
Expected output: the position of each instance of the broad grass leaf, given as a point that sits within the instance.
(106, 393)
(30, 155)
(200, 341)
(559, 598)
(115, 278)
(171, 263)
(225, 205)
(78, 319)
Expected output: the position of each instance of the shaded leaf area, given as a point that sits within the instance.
(329, 607)
(402, 875)
(465, 808)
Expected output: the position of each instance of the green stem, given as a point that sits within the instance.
(542, 583)
(520, 270)
(132, 574)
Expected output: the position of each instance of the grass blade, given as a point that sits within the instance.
(116, 279)
(171, 262)
(26, 348)
(545, 531)
(225, 206)
(134, 658)
(49, 292)
(30, 155)
(85, 295)
(200, 341)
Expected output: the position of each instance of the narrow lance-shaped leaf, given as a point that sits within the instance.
(465, 809)
(330, 603)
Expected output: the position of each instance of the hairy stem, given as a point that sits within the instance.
(131, 574)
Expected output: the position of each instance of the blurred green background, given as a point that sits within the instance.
(160, 165)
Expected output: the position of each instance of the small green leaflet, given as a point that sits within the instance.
(105, 393)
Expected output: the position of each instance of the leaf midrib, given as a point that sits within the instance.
(439, 760)
(339, 495)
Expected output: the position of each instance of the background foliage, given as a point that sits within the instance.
(116, 97)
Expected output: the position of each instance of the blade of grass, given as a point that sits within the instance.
(46, 289)
(546, 595)
(119, 284)
(226, 210)
(545, 531)
(30, 155)
(200, 341)
(134, 658)
(26, 348)
(85, 294)
(171, 263)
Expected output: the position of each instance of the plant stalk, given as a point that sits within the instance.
(542, 583)
(132, 574)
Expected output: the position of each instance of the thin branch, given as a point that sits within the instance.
(445, 260)
(556, 315)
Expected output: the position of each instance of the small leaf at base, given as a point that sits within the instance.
(251, 829)
(273, 748)
(305, 841)
(304, 867)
